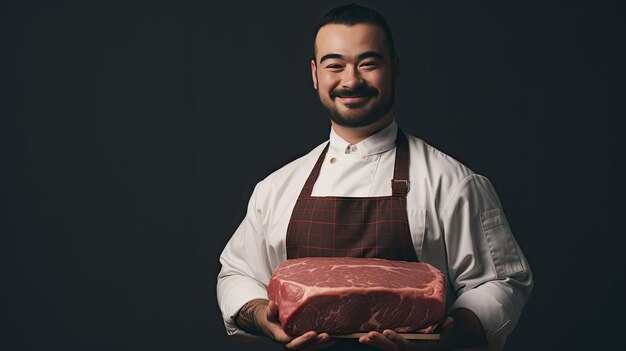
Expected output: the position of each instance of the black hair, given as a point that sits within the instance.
(354, 14)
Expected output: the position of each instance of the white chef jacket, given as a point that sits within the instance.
(456, 221)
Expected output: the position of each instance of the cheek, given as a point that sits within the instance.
(379, 80)
(327, 82)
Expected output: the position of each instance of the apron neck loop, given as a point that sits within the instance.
(399, 183)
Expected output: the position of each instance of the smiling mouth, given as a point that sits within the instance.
(349, 100)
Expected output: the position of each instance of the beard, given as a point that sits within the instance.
(359, 115)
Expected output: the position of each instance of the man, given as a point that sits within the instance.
(453, 218)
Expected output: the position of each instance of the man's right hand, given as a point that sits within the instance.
(261, 317)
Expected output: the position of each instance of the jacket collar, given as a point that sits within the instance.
(381, 141)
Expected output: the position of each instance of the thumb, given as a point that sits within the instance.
(272, 311)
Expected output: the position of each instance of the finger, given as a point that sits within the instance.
(302, 341)
(396, 338)
(323, 337)
(272, 311)
(378, 340)
(272, 326)
(364, 339)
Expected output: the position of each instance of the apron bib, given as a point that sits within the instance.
(354, 226)
(333, 226)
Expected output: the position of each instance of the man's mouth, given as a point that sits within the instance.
(349, 100)
(354, 97)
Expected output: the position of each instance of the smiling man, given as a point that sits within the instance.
(356, 75)
(449, 216)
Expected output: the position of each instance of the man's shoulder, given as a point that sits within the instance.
(437, 162)
(440, 173)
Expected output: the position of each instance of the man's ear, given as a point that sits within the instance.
(314, 73)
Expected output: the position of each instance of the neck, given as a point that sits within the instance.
(354, 135)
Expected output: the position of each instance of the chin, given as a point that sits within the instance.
(354, 121)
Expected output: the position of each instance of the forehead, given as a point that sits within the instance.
(350, 40)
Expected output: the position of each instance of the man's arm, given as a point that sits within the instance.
(261, 317)
(242, 286)
(246, 269)
(246, 318)
(486, 266)
(467, 330)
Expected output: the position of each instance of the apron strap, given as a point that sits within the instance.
(310, 181)
(399, 183)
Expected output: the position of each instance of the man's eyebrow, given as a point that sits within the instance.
(367, 54)
(330, 56)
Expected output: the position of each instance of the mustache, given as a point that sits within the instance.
(361, 90)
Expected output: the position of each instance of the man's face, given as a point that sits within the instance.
(353, 73)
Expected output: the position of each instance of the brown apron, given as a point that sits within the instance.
(354, 226)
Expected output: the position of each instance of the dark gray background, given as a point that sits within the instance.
(132, 135)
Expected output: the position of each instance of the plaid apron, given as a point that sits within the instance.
(354, 226)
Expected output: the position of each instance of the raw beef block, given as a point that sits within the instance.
(340, 295)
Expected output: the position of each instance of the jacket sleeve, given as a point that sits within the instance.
(486, 266)
(245, 268)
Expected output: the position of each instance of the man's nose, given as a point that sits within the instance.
(351, 77)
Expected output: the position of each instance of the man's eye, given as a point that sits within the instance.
(368, 64)
(333, 66)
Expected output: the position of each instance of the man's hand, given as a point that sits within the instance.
(261, 317)
(389, 340)
(461, 329)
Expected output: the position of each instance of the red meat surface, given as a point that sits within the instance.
(349, 295)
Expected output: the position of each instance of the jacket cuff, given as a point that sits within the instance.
(246, 291)
(492, 315)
